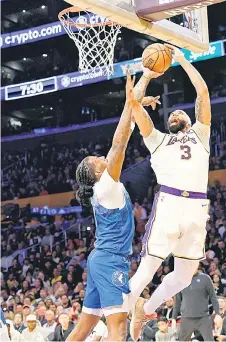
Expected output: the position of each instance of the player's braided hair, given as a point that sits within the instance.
(86, 179)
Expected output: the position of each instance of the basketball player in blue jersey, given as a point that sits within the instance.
(108, 266)
(180, 211)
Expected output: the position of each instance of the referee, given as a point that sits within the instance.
(193, 303)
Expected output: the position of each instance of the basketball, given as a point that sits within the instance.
(157, 57)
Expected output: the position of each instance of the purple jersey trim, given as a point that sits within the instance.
(183, 193)
(149, 225)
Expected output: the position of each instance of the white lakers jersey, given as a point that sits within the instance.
(181, 160)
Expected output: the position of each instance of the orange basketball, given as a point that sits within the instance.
(157, 57)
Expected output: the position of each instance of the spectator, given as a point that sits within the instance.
(140, 213)
(64, 328)
(26, 311)
(217, 326)
(18, 322)
(150, 330)
(222, 336)
(47, 238)
(41, 312)
(32, 333)
(14, 335)
(168, 310)
(57, 276)
(82, 247)
(219, 289)
(165, 333)
(50, 322)
(65, 303)
(222, 306)
(222, 228)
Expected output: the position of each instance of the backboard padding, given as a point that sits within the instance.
(124, 14)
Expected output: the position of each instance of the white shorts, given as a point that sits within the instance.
(110, 310)
(177, 225)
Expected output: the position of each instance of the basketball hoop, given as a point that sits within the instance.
(94, 36)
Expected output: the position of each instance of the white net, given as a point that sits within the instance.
(95, 38)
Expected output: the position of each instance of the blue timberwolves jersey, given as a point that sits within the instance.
(114, 227)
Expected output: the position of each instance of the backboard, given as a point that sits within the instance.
(123, 12)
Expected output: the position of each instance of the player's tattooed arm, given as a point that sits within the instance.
(141, 86)
(142, 119)
(122, 134)
(202, 105)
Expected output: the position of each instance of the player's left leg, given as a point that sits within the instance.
(173, 283)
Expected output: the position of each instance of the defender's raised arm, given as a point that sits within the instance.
(122, 134)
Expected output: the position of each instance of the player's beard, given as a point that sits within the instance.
(180, 126)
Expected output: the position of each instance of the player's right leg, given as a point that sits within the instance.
(116, 324)
(173, 283)
(84, 327)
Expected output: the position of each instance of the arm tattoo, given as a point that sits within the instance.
(199, 108)
(147, 119)
(140, 88)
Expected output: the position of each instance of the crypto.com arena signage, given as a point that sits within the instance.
(77, 79)
(37, 33)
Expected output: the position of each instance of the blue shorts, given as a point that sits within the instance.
(107, 279)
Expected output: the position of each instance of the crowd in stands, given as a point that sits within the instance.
(42, 294)
(51, 169)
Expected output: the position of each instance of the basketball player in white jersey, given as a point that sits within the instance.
(177, 224)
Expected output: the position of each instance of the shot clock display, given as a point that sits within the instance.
(33, 88)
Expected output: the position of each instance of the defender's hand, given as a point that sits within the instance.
(151, 101)
(129, 87)
(177, 54)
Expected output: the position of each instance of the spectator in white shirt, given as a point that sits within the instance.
(14, 335)
(32, 333)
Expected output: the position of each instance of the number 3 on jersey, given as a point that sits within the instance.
(186, 154)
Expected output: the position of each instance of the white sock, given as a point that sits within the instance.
(143, 277)
(173, 283)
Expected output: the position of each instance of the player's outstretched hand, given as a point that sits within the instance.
(177, 54)
(129, 87)
(151, 101)
(150, 74)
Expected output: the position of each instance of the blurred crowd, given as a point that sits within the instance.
(42, 294)
(51, 169)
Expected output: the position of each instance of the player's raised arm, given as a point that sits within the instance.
(202, 106)
(122, 134)
(140, 115)
(141, 86)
